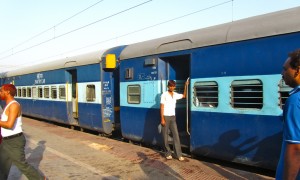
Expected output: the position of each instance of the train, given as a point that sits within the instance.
(235, 96)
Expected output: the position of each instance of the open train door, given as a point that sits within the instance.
(72, 105)
(178, 68)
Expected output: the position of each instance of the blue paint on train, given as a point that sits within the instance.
(74, 107)
(88, 73)
(145, 73)
(251, 57)
(143, 126)
(48, 77)
(110, 92)
(50, 110)
(90, 116)
(239, 138)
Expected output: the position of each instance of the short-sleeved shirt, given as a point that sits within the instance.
(291, 127)
(169, 102)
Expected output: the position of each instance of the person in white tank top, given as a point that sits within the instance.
(16, 127)
(12, 148)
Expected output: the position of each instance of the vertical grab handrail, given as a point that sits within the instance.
(187, 107)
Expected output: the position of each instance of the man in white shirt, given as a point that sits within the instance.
(168, 119)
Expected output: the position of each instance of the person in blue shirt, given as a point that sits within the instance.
(289, 162)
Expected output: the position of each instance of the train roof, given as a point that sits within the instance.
(72, 61)
(280, 22)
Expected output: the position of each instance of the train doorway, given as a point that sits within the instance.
(73, 105)
(178, 68)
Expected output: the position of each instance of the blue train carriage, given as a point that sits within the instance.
(77, 91)
(236, 94)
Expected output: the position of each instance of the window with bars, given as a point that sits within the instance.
(53, 92)
(46, 92)
(23, 92)
(134, 94)
(28, 91)
(62, 92)
(283, 93)
(206, 94)
(19, 92)
(247, 94)
(34, 92)
(40, 92)
(90, 92)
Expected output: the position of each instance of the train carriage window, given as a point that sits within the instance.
(40, 92)
(283, 93)
(34, 93)
(247, 94)
(134, 94)
(46, 92)
(23, 92)
(62, 92)
(206, 94)
(19, 92)
(90, 92)
(28, 91)
(53, 92)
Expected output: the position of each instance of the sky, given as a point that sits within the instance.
(39, 31)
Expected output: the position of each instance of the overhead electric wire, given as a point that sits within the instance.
(75, 29)
(232, 11)
(133, 32)
(164, 22)
(148, 27)
(58, 24)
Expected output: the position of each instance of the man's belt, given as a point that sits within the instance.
(13, 136)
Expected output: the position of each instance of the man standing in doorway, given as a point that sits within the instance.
(168, 119)
(13, 144)
(289, 162)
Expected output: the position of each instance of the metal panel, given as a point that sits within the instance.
(85, 59)
(250, 28)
